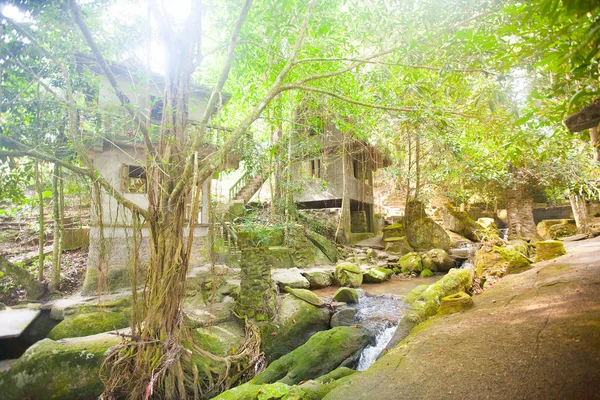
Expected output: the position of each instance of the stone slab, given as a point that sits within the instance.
(14, 322)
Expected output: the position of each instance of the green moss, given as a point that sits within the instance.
(426, 273)
(415, 294)
(496, 261)
(427, 304)
(440, 259)
(455, 303)
(347, 295)
(325, 245)
(295, 322)
(425, 234)
(347, 274)
(397, 245)
(117, 278)
(91, 323)
(393, 231)
(377, 275)
(58, 370)
(549, 249)
(221, 339)
(307, 296)
(410, 263)
(279, 257)
(324, 352)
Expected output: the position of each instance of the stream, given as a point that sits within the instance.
(379, 311)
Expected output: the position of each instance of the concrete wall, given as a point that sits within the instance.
(117, 263)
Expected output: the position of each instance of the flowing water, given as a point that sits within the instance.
(379, 311)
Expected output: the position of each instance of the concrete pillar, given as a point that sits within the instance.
(204, 215)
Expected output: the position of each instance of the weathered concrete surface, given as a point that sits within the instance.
(534, 335)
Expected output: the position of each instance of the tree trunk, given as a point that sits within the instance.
(595, 143)
(344, 228)
(579, 212)
(42, 232)
(34, 289)
(55, 280)
(519, 208)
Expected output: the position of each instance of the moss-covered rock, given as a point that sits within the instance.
(326, 246)
(279, 257)
(425, 234)
(393, 231)
(549, 249)
(415, 294)
(397, 245)
(310, 390)
(302, 249)
(377, 275)
(307, 296)
(410, 263)
(428, 301)
(519, 245)
(544, 227)
(346, 295)
(318, 279)
(441, 260)
(426, 273)
(564, 229)
(260, 236)
(257, 297)
(64, 370)
(324, 352)
(427, 262)
(220, 339)
(455, 303)
(347, 274)
(459, 222)
(86, 324)
(295, 322)
(497, 261)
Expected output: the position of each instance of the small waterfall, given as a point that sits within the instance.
(504, 233)
(370, 353)
(380, 316)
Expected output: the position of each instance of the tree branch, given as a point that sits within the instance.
(133, 110)
(211, 106)
(364, 104)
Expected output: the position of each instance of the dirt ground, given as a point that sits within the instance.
(535, 335)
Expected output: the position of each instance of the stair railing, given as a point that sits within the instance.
(239, 185)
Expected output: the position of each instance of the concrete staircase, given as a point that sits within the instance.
(248, 190)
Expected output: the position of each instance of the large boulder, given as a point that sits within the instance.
(306, 295)
(91, 317)
(393, 231)
(427, 302)
(347, 274)
(295, 322)
(318, 279)
(66, 369)
(325, 245)
(410, 263)
(397, 245)
(289, 277)
(549, 249)
(323, 353)
(279, 257)
(346, 295)
(440, 259)
(377, 275)
(544, 227)
(425, 234)
(497, 261)
(343, 317)
(455, 303)
(564, 229)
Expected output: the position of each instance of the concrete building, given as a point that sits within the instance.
(119, 156)
(322, 179)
